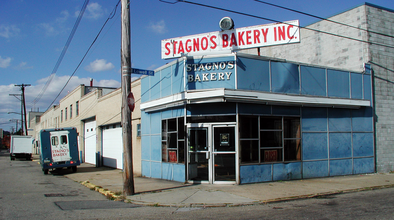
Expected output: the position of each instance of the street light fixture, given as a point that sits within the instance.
(14, 113)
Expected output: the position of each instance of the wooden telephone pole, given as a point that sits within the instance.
(23, 107)
(128, 179)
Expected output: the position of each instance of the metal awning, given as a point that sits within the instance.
(230, 95)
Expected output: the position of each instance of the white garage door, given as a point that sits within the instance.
(90, 142)
(112, 146)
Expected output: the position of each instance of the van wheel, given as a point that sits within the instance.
(45, 171)
(74, 169)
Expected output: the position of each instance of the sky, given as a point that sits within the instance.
(33, 35)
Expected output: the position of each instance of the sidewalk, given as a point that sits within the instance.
(156, 192)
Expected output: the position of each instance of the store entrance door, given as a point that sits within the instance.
(212, 153)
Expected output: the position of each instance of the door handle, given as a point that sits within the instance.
(207, 155)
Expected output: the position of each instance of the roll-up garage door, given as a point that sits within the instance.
(112, 146)
(90, 142)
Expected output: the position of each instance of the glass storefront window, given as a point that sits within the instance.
(278, 139)
(173, 142)
(249, 125)
(249, 151)
(267, 123)
(270, 138)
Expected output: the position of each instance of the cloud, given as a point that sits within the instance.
(107, 83)
(8, 31)
(23, 66)
(50, 29)
(99, 65)
(4, 63)
(64, 16)
(158, 27)
(93, 11)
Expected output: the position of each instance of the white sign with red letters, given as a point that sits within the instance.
(231, 40)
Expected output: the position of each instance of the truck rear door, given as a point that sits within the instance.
(60, 147)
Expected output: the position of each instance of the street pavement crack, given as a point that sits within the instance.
(189, 196)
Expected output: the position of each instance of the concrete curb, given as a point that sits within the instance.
(109, 194)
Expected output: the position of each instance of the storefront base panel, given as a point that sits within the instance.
(145, 168)
(256, 173)
(340, 167)
(167, 171)
(305, 170)
(270, 172)
(364, 165)
(175, 172)
(315, 169)
(289, 171)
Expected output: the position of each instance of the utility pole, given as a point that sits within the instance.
(128, 179)
(16, 123)
(23, 108)
(20, 99)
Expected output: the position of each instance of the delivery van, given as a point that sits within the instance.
(59, 149)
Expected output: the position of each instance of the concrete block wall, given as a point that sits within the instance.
(338, 52)
(382, 60)
(327, 50)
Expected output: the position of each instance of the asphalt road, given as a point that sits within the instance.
(26, 193)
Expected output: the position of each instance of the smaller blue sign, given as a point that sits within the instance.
(143, 72)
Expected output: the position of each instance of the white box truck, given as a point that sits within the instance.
(21, 147)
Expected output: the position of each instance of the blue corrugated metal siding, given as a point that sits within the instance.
(367, 87)
(340, 145)
(314, 146)
(285, 78)
(256, 173)
(253, 75)
(151, 159)
(338, 83)
(313, 81)
(178, 75)
(287, 171)
(314, 169)
(211, 109)
(341, 167)
(357, 86)
(334, 142)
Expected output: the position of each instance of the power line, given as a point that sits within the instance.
(321, 18)
(276, 21)
(60, 59)
(113, 12)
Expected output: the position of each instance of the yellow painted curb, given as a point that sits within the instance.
(105, 192)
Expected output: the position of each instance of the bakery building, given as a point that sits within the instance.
(316, 105)
(241, 118)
